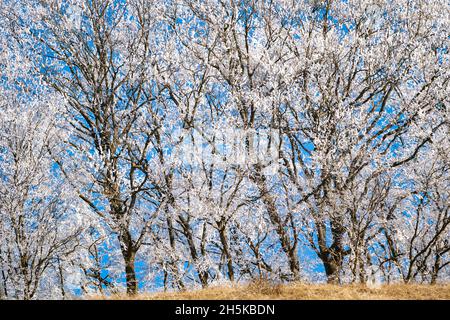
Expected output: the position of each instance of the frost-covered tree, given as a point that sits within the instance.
(40, 220)
(99, 56)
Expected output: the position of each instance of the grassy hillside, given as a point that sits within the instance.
(298, 291)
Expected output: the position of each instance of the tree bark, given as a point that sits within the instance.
(226, 252)
(289, 247)
(129, 256)
(130, 274)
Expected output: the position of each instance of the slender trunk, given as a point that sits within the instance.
(165, 280)
(3, 288)
(25, 276)
(61, 279)
(435, 271)
(172, 263)
(362, 269)
(434, 277)
(129, 256)
(226, 252)
(203, 275)
(294, 264)
(288, 248)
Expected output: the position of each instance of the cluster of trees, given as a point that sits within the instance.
(166, 144)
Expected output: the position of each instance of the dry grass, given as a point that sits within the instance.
(262, 290)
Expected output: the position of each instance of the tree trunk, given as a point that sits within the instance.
(202, 275)
(226, 252)
(435, 270)
(331, 256)
(129, 255)
(3, 286)
(290, 249)
(172, 262)
(332, 272)
(294, 263)
(130, 274)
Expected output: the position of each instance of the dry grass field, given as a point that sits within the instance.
(267, 291)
